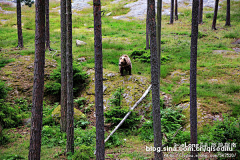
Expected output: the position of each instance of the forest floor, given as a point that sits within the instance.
(218, 73)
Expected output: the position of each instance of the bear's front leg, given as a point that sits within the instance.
(121, 71)
(130, 71)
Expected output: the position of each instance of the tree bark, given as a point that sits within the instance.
(159, 25)
(19, 25)
(200, 11)
(176, 10)
(155, 81)
(70, 109)
(38, 84)
(47, 25)
(171, 12)
(215, 15)
(147, 28)
(193, 78)
(63, 122)
(100, 146)
(228, 14)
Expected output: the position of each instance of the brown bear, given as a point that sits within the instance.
(125, 64)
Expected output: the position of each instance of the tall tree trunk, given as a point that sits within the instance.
(19, 25)
(176, 10)
(215, 15)
(70, 110)
(155, 81)
(100, 151)
(38, 83)
(63, 123)
(171, 12)
(228, 14)
(159, 25)
(147, 28)
(193, 78)
(47, 25)
(200, 11)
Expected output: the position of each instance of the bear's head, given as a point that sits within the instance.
(123, 61)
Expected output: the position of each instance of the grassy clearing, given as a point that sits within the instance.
(218, 74)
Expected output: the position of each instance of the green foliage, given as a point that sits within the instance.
(226, 131)
(171, 121)
(22, 104)
(4, 61)
(13, 157)
(80, 101)
(81, 123)
(116, 113)
(85, 137)
(231, 35)
(10, 116)
(144, 56)
(3, 90)
(84, 153)
(117, 97)
(114, 141)
(54, 86)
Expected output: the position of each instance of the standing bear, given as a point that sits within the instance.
(125, 64)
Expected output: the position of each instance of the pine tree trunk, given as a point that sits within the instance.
(171, 12)
(176, 10)
(38, 84)
(147, 29)
(70, 110)
(200, 11)
(19, 25)
(159, 25)
(63, 122)
(215, 15)
(228, 14)
(193, 77)
(155, 81)
(100, 151)
(47, 25)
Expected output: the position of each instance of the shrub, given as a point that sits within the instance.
(3, 90)
(80, 101)
(144, 56)
(171, 121)
(84, 153)
(9, 115)
(114, 140)
(226, 131)
(116, 113)
(54, 86)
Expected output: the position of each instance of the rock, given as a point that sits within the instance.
(80, 43)
(236, 42)
(27, 122)
(104, 88)
(221, 51)
(110, 75)
(82, 59)
(56, 114)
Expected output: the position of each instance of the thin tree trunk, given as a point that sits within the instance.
(147, 29)
(38, 83)
(228, 14)
(176, 10)
(19, 25)
(200, 11)
(70, 110)
(100, 146)
(63, 123)
(159, 24)
(193, 78)
(215, 15)
(155, 81)
(47, 25)
(171, 12)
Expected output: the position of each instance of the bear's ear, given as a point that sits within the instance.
(125, 56)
